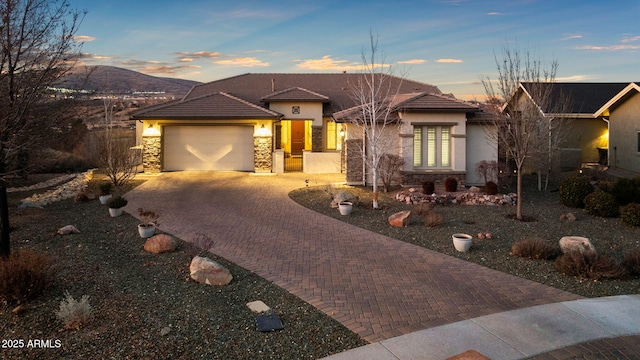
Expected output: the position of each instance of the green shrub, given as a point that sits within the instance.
(451, 184)
(601, 204)
(589, 266)
(105, 187)
(630, 214)
(491, 188)
(574, 190)
(536, 249)
(24, 275)
(627, 191)
(117, 202)
(428, 187)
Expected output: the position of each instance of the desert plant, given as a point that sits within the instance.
(24, 275)
(631, 262)
(422, 208)
(202, 243)
(117, 202)
(432, 219)
(536, 249)
(105, 187)
(428, 187)
(589, 266)
(389, 167)
(148, 217)
(574, 190)
(451, 184)
(627, 191)
(601, 204)
(491, 188)
(74, 313)
(630, 214)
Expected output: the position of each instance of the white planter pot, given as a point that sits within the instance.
(115, 212)
(104, 198)
(146, 231)
(345, 208)
(462, 242)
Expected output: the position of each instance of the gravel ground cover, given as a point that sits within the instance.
(609, 236)
(145, 306)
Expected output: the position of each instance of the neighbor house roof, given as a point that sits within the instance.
(629, 90)
(583, 98)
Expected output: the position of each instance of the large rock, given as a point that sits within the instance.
(400, 219)
(69, 229)
(207, 271)
(344, 196)
(576, 243)
(160, 243)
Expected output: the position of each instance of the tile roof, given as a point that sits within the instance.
(425, 102)
(584, 98)
(295, 94)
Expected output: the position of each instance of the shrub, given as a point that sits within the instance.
(74, 313)
(451, 184)
(601, 204)
(589, 266)
(389, 166)
(536, 249)
(631, 262)
(105, 187)
(24, 276)
(574, 190)
(491, 188)
(422, 208)
(630, 214)
(627, 191)
(428, 187)
(201, 244)
(432, 219)
(117, 202)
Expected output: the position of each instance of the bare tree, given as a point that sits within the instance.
(373, 92)
(37, 49)
(525, 133)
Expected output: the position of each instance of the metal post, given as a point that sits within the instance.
(4, 224)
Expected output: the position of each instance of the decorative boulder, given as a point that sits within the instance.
(160, 243)
(69, 229)
(344, 196)
(207, 271)
(576, 243)
(474, 189)
(400, 219)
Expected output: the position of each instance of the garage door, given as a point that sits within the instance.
(208, 148)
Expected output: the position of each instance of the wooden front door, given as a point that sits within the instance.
(297, 137)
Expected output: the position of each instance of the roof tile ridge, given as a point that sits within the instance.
(268, 111)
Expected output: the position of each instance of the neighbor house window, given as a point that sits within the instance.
(332, 135)
(432, 147)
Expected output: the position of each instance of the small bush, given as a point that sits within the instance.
(24, 276)
(428, 187)
(536, 249)
(117, 202)
(631, 262)
(201, 244)
(451, 184)
(601, 204)
(74, 313)
(422, 208)
(589, 266)
(627, 191)
(574, 190)
(630, 214)
(105, 187)
(491, 188)
(432, 219)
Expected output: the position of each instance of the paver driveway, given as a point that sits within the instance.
(376, 286)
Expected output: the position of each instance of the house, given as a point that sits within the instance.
(276, 123)
(592, 136)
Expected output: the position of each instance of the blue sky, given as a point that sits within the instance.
(447, 43)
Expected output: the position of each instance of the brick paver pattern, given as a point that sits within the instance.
(376, 286)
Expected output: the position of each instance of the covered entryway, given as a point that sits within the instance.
(208, 148)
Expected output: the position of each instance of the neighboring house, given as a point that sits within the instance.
(591, 134)
(299, 122)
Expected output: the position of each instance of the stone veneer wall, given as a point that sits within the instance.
(152, 153)
(316, 138)
(262, 153)
(353, 161)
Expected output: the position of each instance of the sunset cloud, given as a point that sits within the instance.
(327, 63)
(412, 61)
(157, 67)
(449, 61)
(198, 54)
(242, 62)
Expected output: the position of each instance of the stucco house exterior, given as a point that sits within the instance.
(275, 123)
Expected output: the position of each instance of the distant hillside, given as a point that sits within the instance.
(110, 79)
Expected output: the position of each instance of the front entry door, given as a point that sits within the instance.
(297, 137)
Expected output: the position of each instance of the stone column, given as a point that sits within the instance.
(152, 153)
(316, 138)
(354, 161)
(262, 153)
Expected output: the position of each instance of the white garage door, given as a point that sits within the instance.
(208, 148)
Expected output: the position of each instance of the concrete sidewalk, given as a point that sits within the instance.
(521, 333)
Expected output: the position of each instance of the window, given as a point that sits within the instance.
(332, 135)
(432, 147)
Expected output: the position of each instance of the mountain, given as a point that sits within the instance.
(110, 79)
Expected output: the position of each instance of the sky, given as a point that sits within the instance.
(451, 44)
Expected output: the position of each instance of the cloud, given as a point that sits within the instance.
(84, 38)
(198, 54)
(570, 37)
(575, 78)
(609, 47)
(449, 61)
(327, 63)
(157, 67)
(242, 61)
(630, 39)
(494, 13)
(412, 61)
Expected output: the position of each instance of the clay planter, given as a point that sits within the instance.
(146, 231)
(345, 207)
(462, 242)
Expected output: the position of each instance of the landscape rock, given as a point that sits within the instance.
(258, 307)
(207, 271)
(400, 219)
(160, 243)
(576, 243)
(474, 189)
(69, 229)
(342, 197)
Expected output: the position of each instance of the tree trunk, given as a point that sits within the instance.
(519, 195)
(4, 224)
